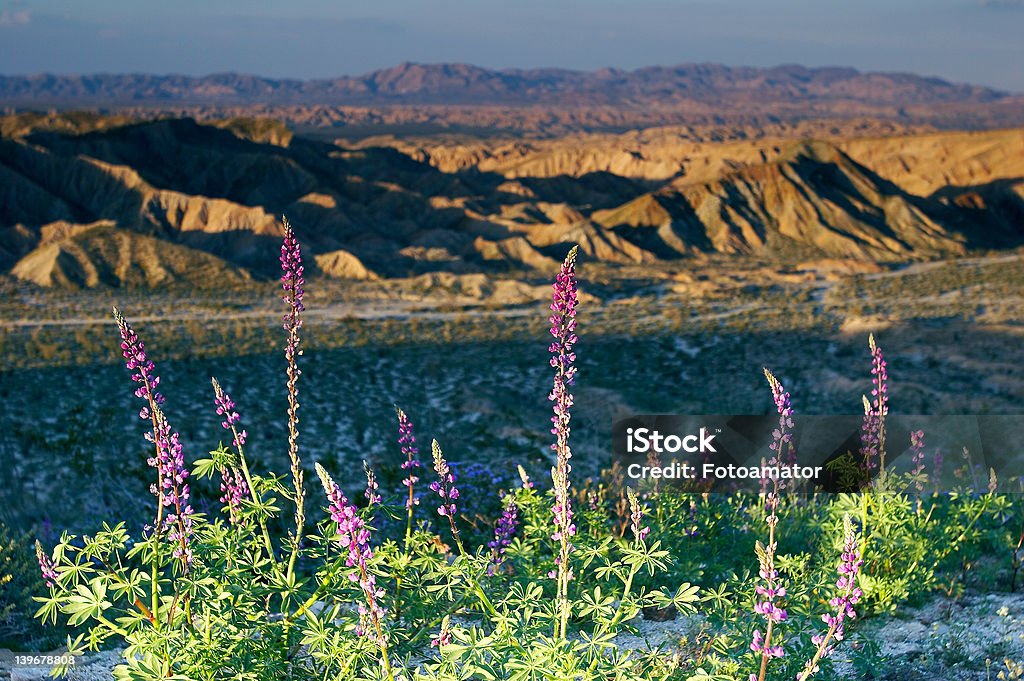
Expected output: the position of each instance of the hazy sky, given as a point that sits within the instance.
(980, 41)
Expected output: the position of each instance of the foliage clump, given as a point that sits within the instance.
(277, 585)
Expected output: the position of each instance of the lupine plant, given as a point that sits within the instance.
(560, 572)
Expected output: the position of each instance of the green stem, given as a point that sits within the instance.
(437, 621)
(475, 583)
(320, 590)
(255, 496)
(625, 594)
(809, 669)
(405, 552)
(110, 625)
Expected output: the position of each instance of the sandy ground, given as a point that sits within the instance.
(973, 638)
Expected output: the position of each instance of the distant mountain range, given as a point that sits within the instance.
(89, 201)
(688, 93)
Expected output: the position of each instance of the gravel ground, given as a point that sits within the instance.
(974, 638)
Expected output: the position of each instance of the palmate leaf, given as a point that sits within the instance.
(74, 649)
(204, 468)
(147, 668)
(597, 605)
(686, 596)
(48, 611)
(89, 603)
(597, 643)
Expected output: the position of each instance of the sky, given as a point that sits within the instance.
(976, 41)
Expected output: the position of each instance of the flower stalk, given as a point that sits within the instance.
(353, 535)
(565, 298)
(842, 603)
(772, 587)
(225, 408)
(293, 283)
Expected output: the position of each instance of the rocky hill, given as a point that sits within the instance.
(412, 83)
(465, 96)
(156, 202)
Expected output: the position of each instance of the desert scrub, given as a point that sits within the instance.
(289, 580)
(19, 580)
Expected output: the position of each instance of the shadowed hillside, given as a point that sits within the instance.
(97, 202)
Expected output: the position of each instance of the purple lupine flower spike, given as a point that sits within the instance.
(917, 458)
(444, 636)
(292, 278)
(354, 536)
(171, 488)
(842, 603)
(371, 494)
(563, 328)
(407, 441)
(233, 484)
(875, 410)
(226, 410)
(771, 587)
(879, 378)
(445, 483)
(766, 607)
(144, 371)
(782, 436)
(235, 489)
(46, 566)
(293, 283)
(565, 297)
(636, 516)
(504, 530)
(173, 491)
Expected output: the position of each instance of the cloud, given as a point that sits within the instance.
(19, 17)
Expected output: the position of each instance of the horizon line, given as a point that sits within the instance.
(511, 70)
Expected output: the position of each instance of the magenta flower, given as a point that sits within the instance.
(226, 410)
(782, 436)
(444, 636)
(172, 491)
(134, 351)
(233, 484)
(917, 458)
(371, 493)
(292, 282)
(445, 484)
(46, 566)
(504, 530)
(757, 645)
(407, 441)
(234, 490)
(842, 603)
(879, 378)
(875, 411)
(563, 329)
(565, 297)
(770, 590)
(636, 515)
(354, 536)
(771, 587)
(171, 488)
